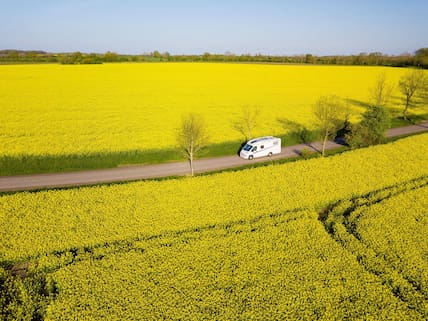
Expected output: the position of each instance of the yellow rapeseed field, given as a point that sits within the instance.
(63, 110)
(35, 223)
(334, 238)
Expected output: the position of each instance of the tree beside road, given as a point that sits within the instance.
(192, 137)
(381, 92)
(328, 111)
(411, 84)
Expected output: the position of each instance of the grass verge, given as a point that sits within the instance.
(32, 164)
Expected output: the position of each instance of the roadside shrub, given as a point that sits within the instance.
(306, 135)
(305, 153)
(371, 130)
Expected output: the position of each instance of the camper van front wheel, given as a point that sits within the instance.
(250, 157)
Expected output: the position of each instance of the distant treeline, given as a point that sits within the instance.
(418, 59)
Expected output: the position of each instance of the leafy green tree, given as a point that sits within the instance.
(206, 56)
(372, 129)
(72, 59)
(110, 56)
(76, 57)
(309, 59)
(167, 56)
(156, 54)
(91, 58)
(421, 57)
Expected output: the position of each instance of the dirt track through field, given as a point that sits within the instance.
(130, 173)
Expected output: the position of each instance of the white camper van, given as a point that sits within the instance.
(262, 146)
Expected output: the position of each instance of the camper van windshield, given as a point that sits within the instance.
(247, 147)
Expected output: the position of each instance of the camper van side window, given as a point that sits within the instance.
(254, 149)
(263, 146)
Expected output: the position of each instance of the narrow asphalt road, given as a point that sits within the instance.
(51, 180)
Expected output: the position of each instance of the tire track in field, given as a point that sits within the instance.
(337, 223)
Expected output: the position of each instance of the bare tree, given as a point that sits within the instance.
(192, 137)
(247, 121)
(381, 92)
(410, 85)
(328, 111)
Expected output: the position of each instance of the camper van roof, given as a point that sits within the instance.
(259, 139)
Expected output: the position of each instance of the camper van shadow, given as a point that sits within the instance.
(341, 141)
(240, 147)
(311, 148)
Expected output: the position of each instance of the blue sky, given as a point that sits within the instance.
(189, 26)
